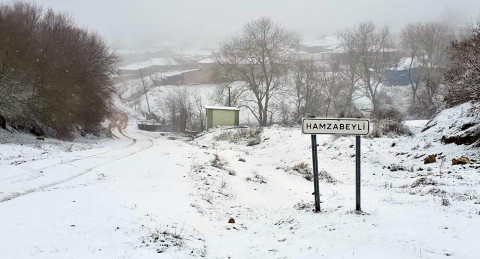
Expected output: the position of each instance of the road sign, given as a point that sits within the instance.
(335, 126)
(314, 126)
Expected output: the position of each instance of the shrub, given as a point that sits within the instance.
(390, 128)
(218, 162)
(389, 122)
(52, 72)
(251, 136)
(463, 74)
(423, 181)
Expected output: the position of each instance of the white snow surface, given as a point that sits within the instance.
(451, 122)
(150, 63)
(329, 42)
(105, 198)
(222, 108)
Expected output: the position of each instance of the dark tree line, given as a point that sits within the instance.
(55, 78)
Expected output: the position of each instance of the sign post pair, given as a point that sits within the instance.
(357, 127)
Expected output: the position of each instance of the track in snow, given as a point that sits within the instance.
(42, 187)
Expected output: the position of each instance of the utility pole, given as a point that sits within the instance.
(229, 104)
(145, 92)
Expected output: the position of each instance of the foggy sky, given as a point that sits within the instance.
(143, 23)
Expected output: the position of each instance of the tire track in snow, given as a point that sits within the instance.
(42, 187)
(69, 161)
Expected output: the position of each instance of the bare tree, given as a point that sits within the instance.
(376, 54)
(229, 93)
(178, 109)
(410, 37)
(435, 38)
(200, 111)
(373, 52)
(333, 85)
(259, 56)
(426, 45)
(306, 80)
(348, 59)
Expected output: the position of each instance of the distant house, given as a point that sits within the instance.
(320, 49)
(221, 116)
(401, 77)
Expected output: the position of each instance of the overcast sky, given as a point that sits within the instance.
(133, 23)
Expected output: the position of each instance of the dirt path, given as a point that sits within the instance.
(119, 121)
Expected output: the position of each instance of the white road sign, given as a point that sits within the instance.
(335, 126)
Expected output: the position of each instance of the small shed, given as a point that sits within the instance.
(221, 116)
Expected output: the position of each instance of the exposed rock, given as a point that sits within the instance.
(231, 220)
(463, 160)
(430, 159)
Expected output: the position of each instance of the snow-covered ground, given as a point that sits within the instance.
(150, 62)
(157, 195)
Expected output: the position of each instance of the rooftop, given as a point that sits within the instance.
(221, 108)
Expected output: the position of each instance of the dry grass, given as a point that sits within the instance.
(251, 136)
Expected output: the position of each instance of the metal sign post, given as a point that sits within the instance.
(357, 172)
(315, 173)
(357, 127)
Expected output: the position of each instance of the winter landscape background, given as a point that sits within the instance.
(79, 179)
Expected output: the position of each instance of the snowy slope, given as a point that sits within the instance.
(459, 124)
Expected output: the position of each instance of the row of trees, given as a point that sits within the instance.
(264, 57)
(54, 76)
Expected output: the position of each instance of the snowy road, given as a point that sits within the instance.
(94, 206)
(148, 196)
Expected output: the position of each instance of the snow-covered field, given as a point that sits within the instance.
(154, 195)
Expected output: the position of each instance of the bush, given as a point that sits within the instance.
(389, 122)
(218, 162)
(52, 72)
(422, 181)
(463, 74)
(251, 136)
(390, 128)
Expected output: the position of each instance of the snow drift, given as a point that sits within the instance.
(459, 125)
